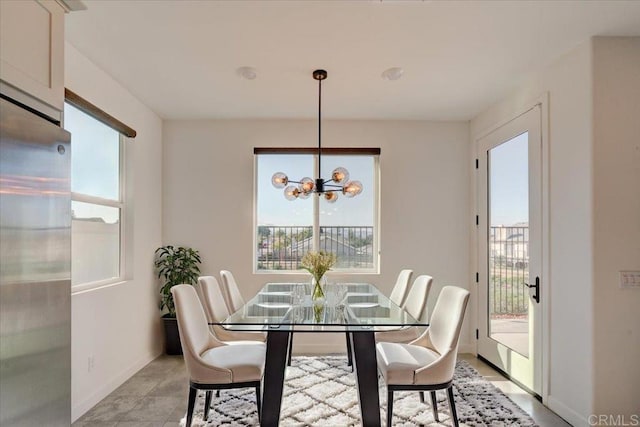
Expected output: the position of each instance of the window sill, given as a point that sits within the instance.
(100, 284)
(331, 273)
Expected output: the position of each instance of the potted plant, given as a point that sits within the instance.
(175, 266)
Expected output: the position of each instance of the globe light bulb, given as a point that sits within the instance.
(303, 195)
(352, 189)
(340, 175)
(279, 180)
(306, 185)
(331, 196)
(291, 192)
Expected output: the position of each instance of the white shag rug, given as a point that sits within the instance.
(321, 391)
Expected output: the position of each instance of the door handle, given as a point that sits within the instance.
(536, 295)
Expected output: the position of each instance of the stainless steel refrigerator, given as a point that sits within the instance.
(35, 270)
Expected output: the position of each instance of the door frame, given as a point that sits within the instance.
(509, 114)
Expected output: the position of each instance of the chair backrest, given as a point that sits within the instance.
(192, 324)
(212, 299)
(446, 320)
(417, 298)
(232, 296)
(443, 335)
(399, 291)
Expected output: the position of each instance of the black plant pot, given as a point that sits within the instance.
(171, 336)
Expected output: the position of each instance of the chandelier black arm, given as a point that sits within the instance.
(333, 185)
(328, 191)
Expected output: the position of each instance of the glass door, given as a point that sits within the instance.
(510, 249)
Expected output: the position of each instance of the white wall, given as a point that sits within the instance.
(570, 291)
(119, 326)
(207, 181)
(616, 206)
(208, 196)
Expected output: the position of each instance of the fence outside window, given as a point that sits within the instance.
(282, 247)
(508, 270)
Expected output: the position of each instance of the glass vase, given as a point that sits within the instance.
(317, 295)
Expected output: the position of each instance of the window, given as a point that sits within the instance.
(286, 230)
(97, 206)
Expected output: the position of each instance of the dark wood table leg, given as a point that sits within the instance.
(274, 368)
(366, 367)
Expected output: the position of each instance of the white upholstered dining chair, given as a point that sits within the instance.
(401, 288)
(398, 296)
(216, 311)
(428, 363)
(212, 364)
(416, 306)
(231, 292)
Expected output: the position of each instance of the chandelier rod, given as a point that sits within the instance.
(339, 179)
(319, 126)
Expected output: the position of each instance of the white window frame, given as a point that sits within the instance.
(316, 217)
(120, 205)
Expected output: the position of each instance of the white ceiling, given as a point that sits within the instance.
(180, 57)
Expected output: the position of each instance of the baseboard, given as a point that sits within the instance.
(568, 414)
(81, 408)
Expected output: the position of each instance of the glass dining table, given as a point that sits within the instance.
(357, 309)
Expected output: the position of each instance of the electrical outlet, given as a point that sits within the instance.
(630, 279)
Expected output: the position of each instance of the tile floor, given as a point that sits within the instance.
(541, 414)
(156, 396)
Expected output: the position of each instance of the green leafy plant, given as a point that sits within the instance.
(175, 266)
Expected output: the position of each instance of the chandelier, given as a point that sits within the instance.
(329, 188)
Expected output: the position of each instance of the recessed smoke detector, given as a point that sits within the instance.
(248, 73)
(393, 73)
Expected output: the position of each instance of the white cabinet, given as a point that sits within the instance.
(32, 49)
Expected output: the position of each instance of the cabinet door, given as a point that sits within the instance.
(32, 48)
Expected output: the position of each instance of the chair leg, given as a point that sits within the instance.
(389, 407)
(452, 405)
(290, 349)
(434, 406)
(217, 393)
(258, 401)
(422, 397)
(193, 392)
(349, 352)
(207, 403)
